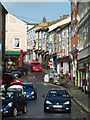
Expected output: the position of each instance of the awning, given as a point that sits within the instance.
(66, 58)
(44, 53)
(40, 51)
(36, 50)
(12, 52)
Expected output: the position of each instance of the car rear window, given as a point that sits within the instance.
(58, 93)
(36, 64)
(28, 87)
(6, 95)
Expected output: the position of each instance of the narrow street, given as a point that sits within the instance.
(35, 108)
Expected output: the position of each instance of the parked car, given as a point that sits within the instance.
(30, 91)
(16, 83)
(12, 102)
(11, 78)
(23, 70)
(57, 100)
(36, 66)
(16, 72)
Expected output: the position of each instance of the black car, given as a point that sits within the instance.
(57, 100)
(12, 102)
(23, 70)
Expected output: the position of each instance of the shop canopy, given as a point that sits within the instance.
(12, 52)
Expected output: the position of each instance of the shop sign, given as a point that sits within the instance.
(50, 62)
(50, 46)
(62, 51)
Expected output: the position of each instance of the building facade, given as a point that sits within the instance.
(74, 40)
(63, 49)
(84, 43)
(3, 13)
(16, 44)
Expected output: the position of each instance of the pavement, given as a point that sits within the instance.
(80, 97)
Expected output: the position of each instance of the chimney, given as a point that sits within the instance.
(60, 17)
(65, 16)
(44, 19)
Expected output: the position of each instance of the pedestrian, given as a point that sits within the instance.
(85, 86)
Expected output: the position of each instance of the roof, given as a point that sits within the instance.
(28, 83)
(35, 24)
(35, 62)
(63, 26)
(16, 86)
(64, 21)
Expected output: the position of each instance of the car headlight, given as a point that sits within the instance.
(9, 104)
(67, 103)
(32, 92)
(48, 102)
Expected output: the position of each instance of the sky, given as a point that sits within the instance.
(33, 12)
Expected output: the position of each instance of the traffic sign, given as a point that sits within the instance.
(50, 63)
(10, 62)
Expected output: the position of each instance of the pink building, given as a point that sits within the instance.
(15, 43)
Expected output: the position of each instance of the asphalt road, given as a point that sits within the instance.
(35, 108)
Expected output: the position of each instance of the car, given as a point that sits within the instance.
(17, 87)
(57, 100)
(36, 66)
(11, 78)
(16, 72)
(23, 70)
(12, 103)
(30, 91)
(16, 83)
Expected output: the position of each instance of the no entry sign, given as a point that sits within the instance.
(10, 62)
(50, 62)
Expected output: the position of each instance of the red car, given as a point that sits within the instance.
(11, 78)
(36, 66)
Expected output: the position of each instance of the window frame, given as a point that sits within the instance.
(19, 42)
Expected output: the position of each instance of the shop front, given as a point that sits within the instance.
(83, 73)
(16, 58)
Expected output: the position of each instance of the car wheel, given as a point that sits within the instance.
(69, 110)
(15, 112)
(24, 109)
(45, 109)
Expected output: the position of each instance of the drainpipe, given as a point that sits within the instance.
(21, 58)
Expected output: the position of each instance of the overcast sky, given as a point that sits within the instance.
(34, 12)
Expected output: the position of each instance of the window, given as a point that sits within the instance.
(17, 42)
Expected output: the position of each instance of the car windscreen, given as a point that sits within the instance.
(11, 89)
(58, 93)
(36, 64)
(14, 76)
(6, 95)
(28, 87)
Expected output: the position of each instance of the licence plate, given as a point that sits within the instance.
(57, 106)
